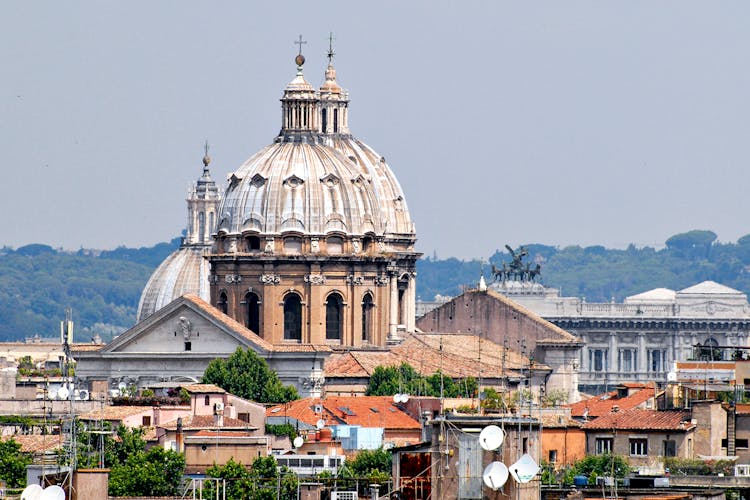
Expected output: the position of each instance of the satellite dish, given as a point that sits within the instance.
(524, 469)
(53, 492)
(491, 438)
(404, 398)
(320, 424)
(495, 475)
(83, 394)
(62, 393)
(671, 376)
(397, 398)
(298, 441)
(31, 492)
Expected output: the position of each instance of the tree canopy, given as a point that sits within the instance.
(390, 380)
(247, 375)
(13, 463)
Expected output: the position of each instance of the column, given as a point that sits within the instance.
(642, 357)
(393, 312)
(412, 302)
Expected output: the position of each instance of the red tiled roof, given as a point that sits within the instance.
(603, 404)
(36, 443)
(638, 419)
(458, 358)
(203, 389)
(116, 412)
(742, 409)
(367, 411)
(210, 433)
(207, 422)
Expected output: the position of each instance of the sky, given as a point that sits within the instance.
(590, 123)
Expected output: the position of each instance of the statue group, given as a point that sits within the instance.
(517, 270)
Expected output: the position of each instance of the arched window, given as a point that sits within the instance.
(324, 116)
(252, 312)
(222, 304)
(335, 121)
(253, 244)
(206, 400)
(334, 316)
(292, 317)
(367, 307)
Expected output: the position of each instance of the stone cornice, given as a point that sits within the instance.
(683, 324)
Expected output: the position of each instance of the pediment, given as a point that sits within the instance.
(186, 325)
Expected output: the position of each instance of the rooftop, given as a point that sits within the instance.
(604, 403)
(643, 420)
(366, 411)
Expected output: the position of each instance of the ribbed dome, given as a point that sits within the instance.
(305, 188)
(315, 179)
(184, 271)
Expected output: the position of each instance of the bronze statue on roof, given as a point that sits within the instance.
(517, 270)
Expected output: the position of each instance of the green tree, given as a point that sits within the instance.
(13, 463)
(247, 375)
(135, 471)
(695, 243)
(368, 461)
(594, 466)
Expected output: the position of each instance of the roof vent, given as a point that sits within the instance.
(615, 408)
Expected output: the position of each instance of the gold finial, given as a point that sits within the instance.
(300, 59)
(206, 158)
(331, 52)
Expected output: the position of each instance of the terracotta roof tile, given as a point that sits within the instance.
(558, 422)
(203, 389)
(742, 409)
(367, 411)
(603, 404)
(207, 422)
(37, 443)
(638, 419)
(115, 412)
(459, 357)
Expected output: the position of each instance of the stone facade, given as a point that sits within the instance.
(639, 339)
(176, 343)
(490, 315)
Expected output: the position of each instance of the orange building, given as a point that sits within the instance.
(563, 440)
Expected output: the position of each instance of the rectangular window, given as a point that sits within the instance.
(657, 360)
(598, 360)
(670, 448)
(603, 445)
(628, 360)
(188, 346)
(146, 421)
(638, 447)
(552, 456)
(738, 443)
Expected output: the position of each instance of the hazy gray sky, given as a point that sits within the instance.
(525, 122)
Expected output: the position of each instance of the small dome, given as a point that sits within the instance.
(184, 271)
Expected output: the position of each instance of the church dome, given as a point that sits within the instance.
(184, 271)
(314, 180)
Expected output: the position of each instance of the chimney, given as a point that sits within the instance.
(615, 408)
(178, 437)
